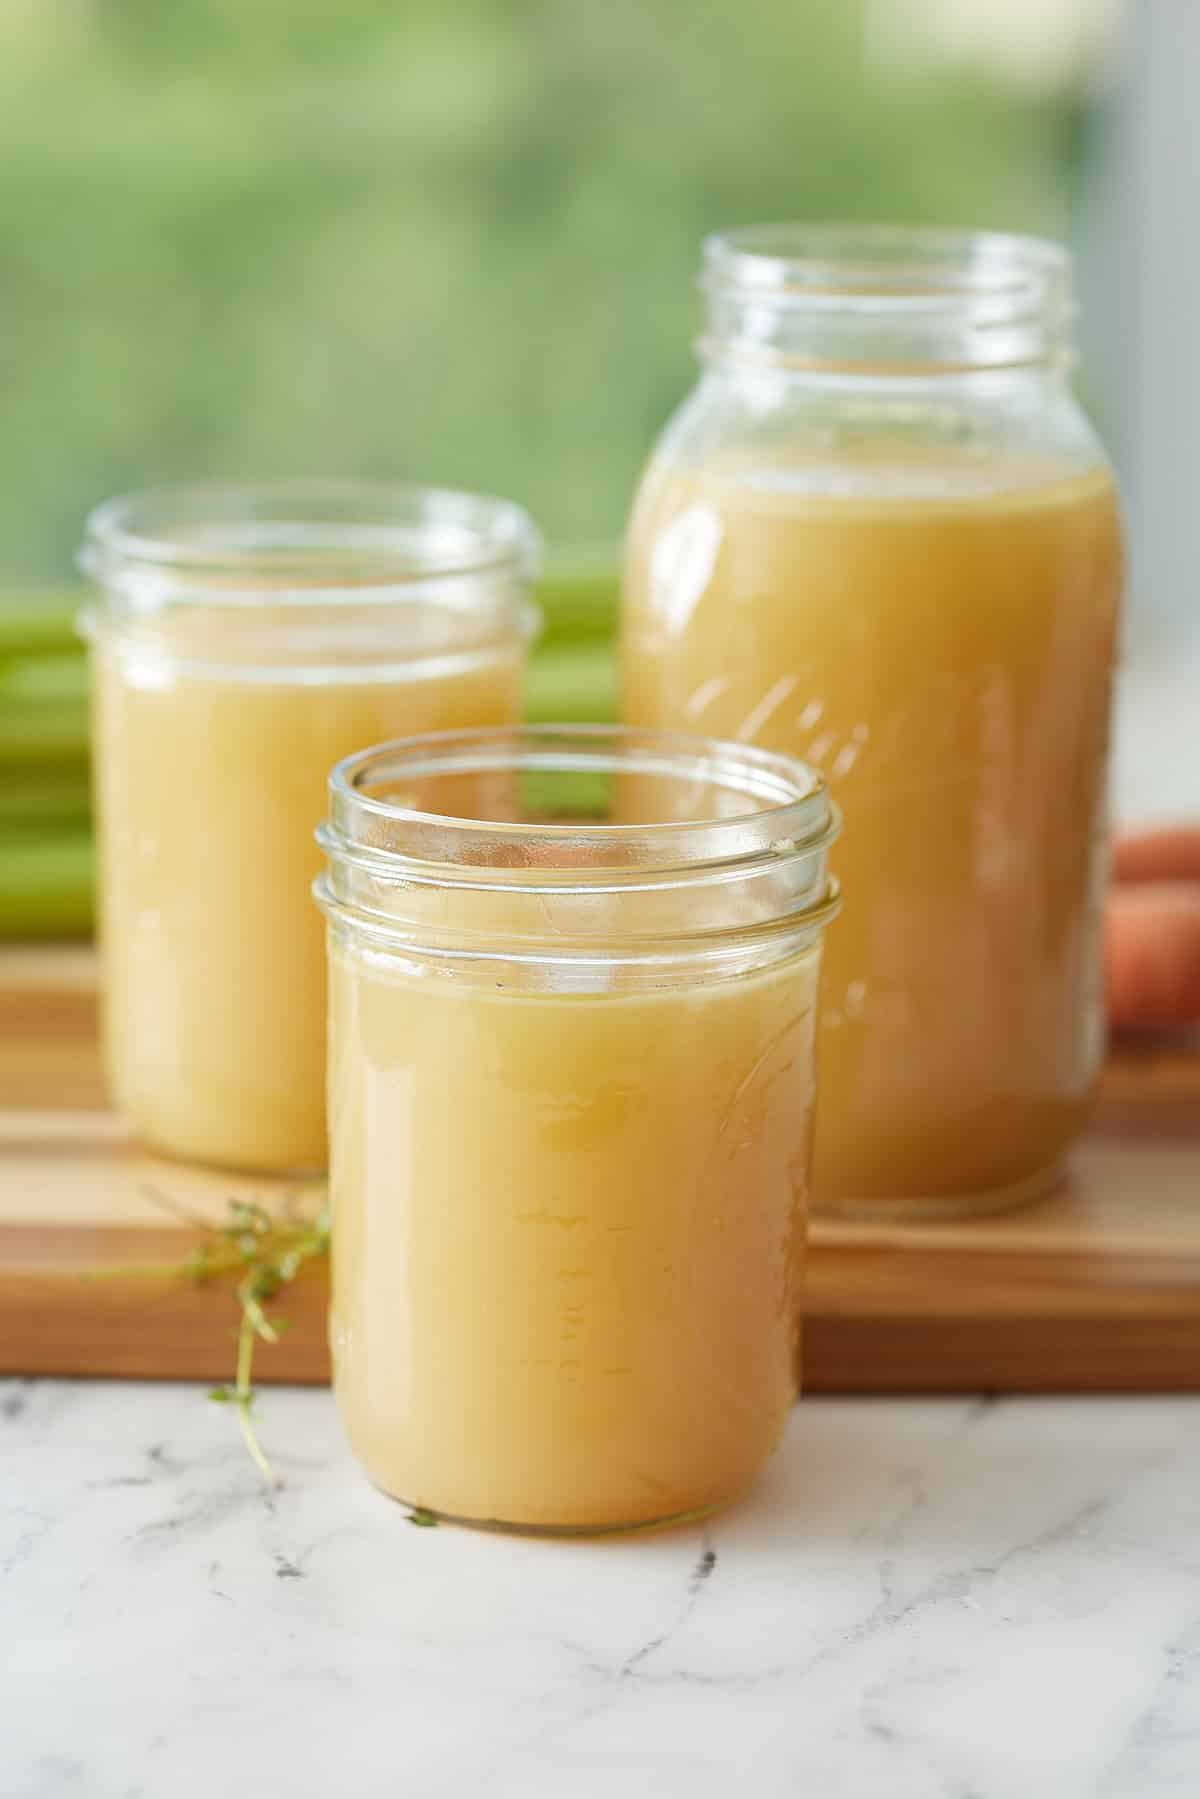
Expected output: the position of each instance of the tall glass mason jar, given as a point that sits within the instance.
(881, 535)
(243, 641)
(572, 1006)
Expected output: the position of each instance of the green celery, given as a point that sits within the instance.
(37, 798)
(578, 596)
(43, 680)
(56, 732)
(46, 885)
(569, 686)
(38, 622)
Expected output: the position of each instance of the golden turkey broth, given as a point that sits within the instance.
(211, 778)
(568, 1233)
(935, 633)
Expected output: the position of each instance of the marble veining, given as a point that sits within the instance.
(951, 1599)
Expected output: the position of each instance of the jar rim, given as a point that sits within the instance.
(892, 265)
(389, 844)
(742, 885)
(265, 543)
(790, 813)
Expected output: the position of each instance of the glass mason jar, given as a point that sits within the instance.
(243, 641)
(881, 535)
(572, 1003)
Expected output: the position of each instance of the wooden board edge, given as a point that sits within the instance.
(122, 1326)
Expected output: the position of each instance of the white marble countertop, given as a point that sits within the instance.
(951, 1599)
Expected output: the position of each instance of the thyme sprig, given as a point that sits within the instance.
(272, 1252)
(268, 1250)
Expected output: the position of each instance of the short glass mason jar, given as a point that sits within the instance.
(573, 982)
(244, 639)
(882, 536)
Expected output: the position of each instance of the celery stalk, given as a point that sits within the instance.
(46, 886)
(45, 855)
(576, 685)
(38, 622)
(44, 798)
(43, 680)
(54, 732)
(578, 596)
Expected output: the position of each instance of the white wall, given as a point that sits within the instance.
(1140, 288)
(1155, 207)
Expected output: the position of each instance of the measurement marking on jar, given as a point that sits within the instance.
(770, 703)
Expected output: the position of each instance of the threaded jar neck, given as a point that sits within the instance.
(885, 300)
(290, 539)
(310, 579)
(579, 845)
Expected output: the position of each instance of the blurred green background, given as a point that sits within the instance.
(446, 239)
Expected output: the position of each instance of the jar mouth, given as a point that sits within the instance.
(585, 853)
(887, 296)
(569, 804)
(574, 844)
(891, 264)
(297, 542)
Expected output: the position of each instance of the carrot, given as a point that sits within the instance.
(1171, 854)
(1152, 954)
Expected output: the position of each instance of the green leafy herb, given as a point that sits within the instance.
(266, 1251)
(422, 1516)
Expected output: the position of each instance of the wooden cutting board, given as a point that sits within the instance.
(1097, 1290)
